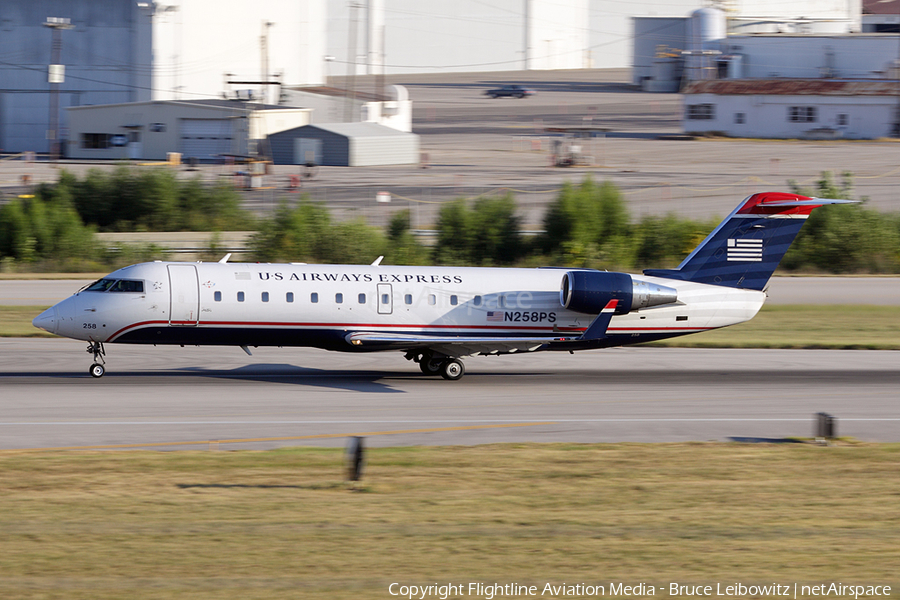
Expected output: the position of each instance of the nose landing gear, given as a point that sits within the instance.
(98, 368)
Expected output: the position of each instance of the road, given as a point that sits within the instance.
(184, 398)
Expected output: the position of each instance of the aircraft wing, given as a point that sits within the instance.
(456, 345)
(460, 345)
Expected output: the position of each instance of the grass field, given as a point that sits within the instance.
(777, 326)
(283, 524)
(807, 326)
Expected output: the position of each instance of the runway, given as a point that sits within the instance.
(218, 398)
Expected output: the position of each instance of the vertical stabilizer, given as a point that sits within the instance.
(746, 248)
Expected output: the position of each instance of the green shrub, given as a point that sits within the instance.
(486, 234)
(129, 199)
(32, 230)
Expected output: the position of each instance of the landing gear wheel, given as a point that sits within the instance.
(97, 369)
(429, 366)
(452, 369)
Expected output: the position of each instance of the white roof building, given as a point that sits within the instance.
(792, 108)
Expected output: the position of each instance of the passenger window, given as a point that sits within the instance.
(454, 300)
(265, 296)
(432, 300)
(385, 299)
(217, 296)
(476, 300)
(408, 298)
(501, 301)
(289, 296)
(240, 296)
(362, 298)
(314, 297)
(339, 298)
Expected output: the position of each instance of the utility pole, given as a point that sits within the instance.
(351, 65)
(379, 79)
(56, 74)
(264, 51)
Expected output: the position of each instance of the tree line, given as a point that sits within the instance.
(586, 225)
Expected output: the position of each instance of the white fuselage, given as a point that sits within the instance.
(317, 305)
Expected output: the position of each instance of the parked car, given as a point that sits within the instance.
(509, 91)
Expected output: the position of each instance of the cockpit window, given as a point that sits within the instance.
(116, 285)
(100, 286)
(128, 285)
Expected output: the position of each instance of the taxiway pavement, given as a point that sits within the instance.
(219, 398)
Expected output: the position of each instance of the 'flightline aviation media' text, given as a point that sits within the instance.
(489, 591)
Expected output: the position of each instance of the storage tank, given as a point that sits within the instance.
(652, 33)
(706, 30)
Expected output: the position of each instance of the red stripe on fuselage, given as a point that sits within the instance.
(381, 326)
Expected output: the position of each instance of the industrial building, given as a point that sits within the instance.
(344, 145)
(797, 39)
(62, 54)
(119, 51)
(792, 108)
(104, 45)
(418, 36)
(198, 130)
(390, 107)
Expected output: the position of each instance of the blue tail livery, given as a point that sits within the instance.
(745, 249)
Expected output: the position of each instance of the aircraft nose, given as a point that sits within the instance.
(47, 320)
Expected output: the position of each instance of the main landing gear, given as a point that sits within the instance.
(98, 368)
(448, 367)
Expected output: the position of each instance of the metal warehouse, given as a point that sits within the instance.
(794, 108)
(344, 145)
(204, 130)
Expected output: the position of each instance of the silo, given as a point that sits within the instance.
(706, 31)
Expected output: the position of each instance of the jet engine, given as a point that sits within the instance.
(590, 291)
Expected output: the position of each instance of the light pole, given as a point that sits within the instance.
(56, 74)
(264, 53)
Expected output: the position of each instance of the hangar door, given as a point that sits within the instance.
(307, 150)
(205, 139)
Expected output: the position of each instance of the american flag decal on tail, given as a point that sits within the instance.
(745, 250)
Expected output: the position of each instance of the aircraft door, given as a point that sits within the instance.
(385, 299)
(184, 295)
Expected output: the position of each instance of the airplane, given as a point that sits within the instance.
(437, 315)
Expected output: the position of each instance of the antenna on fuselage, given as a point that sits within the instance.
(377, 261)
(225, 258)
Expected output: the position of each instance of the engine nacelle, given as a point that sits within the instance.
(590, 291)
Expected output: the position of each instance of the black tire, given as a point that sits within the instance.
(429, 366)
(97, 370)
(452, 369)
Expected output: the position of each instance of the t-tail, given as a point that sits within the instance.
(745, 249)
